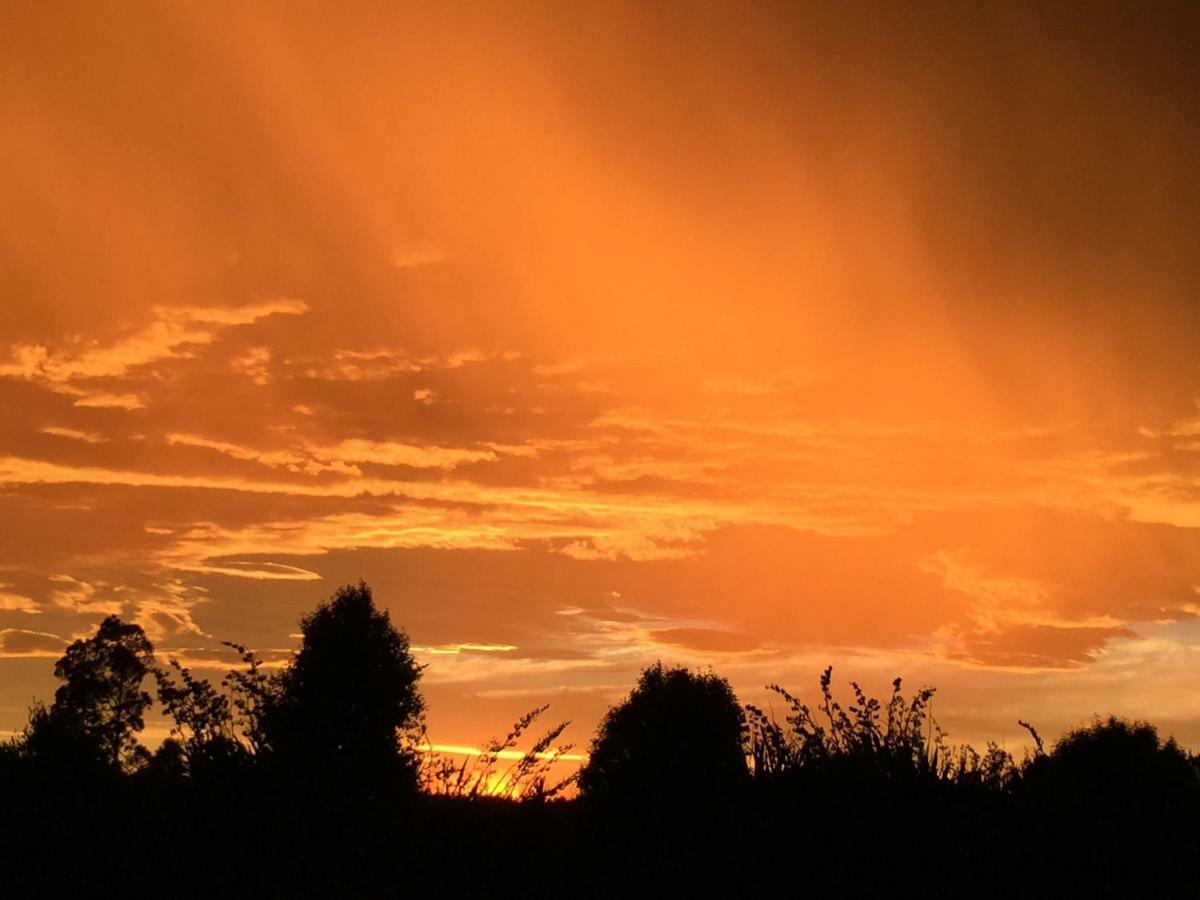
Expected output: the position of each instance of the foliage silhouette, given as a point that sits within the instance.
(286, 783)
(253, 694)
(98, 710)
(678, 732)
(204, 735)
(1116, 776)
(867, 742)
(891, 737)
(1114, 798)
(346, 706)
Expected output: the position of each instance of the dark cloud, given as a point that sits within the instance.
(1038, 646)
(19, 642)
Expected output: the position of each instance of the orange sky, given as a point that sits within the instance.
(760, 336)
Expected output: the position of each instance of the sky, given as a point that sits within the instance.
(760, 337)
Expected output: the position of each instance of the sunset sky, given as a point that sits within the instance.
(760, 336)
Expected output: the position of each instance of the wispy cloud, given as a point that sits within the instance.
(174, 330)
(10, 602)
(20, 643)
(87, 437)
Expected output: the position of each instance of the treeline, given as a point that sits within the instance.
(316, 779)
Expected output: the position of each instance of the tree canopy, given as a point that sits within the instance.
(678, 733)
(348, 699)
(98, 710)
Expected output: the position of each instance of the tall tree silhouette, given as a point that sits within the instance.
(678, 733)
(347, 705)
(98, 711)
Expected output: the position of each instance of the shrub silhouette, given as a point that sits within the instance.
(890, 738)
(1116, 775)
(347, 705)
(1112, 807)
(867, 742)
(98, 711)
(678, 735)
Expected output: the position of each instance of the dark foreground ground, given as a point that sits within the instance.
(126, 837)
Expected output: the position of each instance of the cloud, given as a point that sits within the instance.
(228, 316)
(254, 364)
(482, 668)
(17, 602)
(83, 597)
(207, 548)
(463, 647)
(165, 611)
(257, 571)
(1033, 647)
(710, 639)
(290, 460)
(87, 437)
(175, 330)
(393, 453)
(314, 459)
(361, 365)
(88, 398)
(105, 400)
(630, 546)
(19, 643)
(385, 364)
(1002, 601)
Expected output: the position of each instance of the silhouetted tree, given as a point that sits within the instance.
(347, 705)
(678, 735)
(204, 735)
(98, 710)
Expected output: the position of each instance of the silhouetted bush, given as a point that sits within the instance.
(678, 736)
(1111, 809)
(1117, 778)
